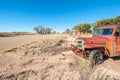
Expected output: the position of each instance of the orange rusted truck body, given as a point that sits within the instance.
(105, 38)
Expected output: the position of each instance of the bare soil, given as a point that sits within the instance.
(11, 42)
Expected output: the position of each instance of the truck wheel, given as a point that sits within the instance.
(96, 57)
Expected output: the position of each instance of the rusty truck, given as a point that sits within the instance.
(104, 42)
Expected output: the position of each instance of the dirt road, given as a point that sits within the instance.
(11, 42)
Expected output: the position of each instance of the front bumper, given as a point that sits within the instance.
(77, 51)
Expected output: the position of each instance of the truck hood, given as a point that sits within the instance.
(95, 40)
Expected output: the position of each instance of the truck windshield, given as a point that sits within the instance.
(104, 32)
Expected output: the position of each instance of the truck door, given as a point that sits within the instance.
(117, 42)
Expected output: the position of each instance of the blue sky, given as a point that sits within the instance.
(24, 15)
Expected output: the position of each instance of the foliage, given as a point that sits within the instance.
(42, 30)
(67, 31)
(104, 22)
(54, 32)
(83, 28)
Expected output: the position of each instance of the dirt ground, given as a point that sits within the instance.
(50, 58)
(11, 42)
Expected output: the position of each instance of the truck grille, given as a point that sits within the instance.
(79, 42)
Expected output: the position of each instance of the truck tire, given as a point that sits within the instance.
(96, 57)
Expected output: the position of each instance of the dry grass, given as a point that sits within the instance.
(19, 48)
(49, 59)
(10, 34)
(104, 74)
(98, 73)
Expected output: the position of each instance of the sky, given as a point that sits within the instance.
(59, 15)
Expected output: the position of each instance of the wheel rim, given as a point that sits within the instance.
(97, 58)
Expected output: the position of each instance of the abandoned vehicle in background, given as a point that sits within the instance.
(104, 42)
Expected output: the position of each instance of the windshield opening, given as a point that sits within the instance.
(104, 32)
(98, 31)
